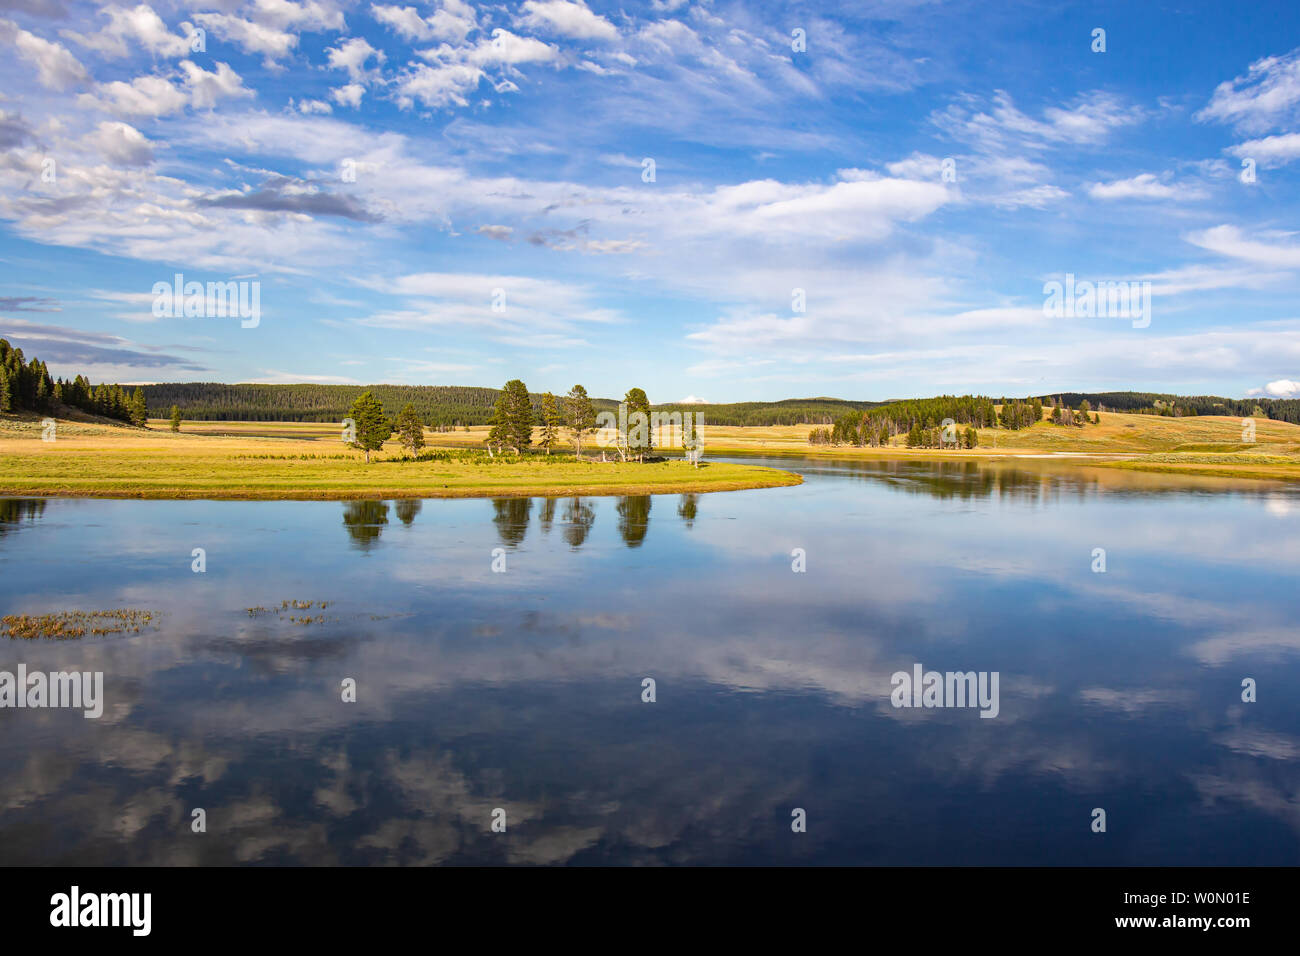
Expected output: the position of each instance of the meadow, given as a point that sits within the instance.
(308, 461)
(261, 460)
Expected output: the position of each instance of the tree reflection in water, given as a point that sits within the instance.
(579, 516)
(633, 519)
(511, 519)
(406, 509)
(688, 507)
(365, 521)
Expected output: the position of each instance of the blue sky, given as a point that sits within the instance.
(503, 147)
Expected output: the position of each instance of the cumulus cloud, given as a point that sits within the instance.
(348, 95)
(452, 21)
(351, 55)
(1282, 388)
(56, 68)
(568, 18)
(128, 28)
(162, 95)
(121, 144)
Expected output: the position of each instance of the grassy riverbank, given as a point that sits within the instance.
(275, 461)
(307, 460)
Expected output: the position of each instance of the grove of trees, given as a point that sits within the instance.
(27, 386)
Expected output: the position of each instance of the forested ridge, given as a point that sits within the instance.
(26, 385)
(1183, 406)
(436, 405)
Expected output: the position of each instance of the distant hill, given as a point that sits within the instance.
(1179, 406)
(456, 405)
(436, 404)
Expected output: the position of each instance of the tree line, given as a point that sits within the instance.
(1184, 406)
(27, 386)
(922, 421)
(440, 406)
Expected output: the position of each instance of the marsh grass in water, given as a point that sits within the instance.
(71, 625)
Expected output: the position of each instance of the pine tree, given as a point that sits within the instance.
(518, 416)
(410, 430)
(499, 432)
(371, 425)
(582, 416)
(176, 418)
(4, 390)
(139, 408)
(551, 420)
(639, 440)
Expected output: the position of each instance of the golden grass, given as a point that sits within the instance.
(308, 460)
(260, 461)
(1206, 445)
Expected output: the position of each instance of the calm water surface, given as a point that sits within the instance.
(522, 690)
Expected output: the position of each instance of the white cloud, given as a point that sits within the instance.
(1268, 95)
(140, 25)
(997, 127)
(1283, 388)
(267, 28)
(351, 55)
(453, 21)
(144, 96)
(865, 209)
(208, 87)
(310, 15)
(437, 86)
(1144, 186)
(348, 95)
(56, 67)
(250, 37)
(1271, 151)
(405, 21)
(452, 73)
(506, 48)
(153, 96)
(1230, 241)
(121, 144)
(568, 19)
